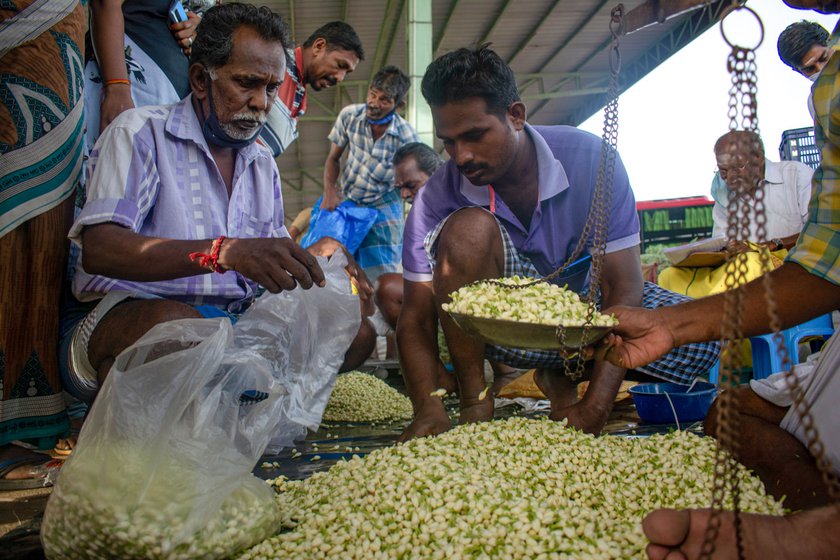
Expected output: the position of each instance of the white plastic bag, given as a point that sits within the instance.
(163, 464)
(304, 334)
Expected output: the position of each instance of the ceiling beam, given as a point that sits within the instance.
(387, 32)
(692, 26)
(524, 43)
(393, 35)
(329, 110)
(658, 11)
(292, 22)
(317, 118)
(445, 26)
(557, 75)
(579, 29)
(589, 16)
(565, 93)
(494, 23)
(380, 42)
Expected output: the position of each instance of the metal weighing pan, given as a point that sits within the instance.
(531, 336)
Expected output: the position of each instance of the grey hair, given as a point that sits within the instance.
(427, 159)
(214, 36)
(392, 82)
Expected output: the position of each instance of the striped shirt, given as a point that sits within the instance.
(152, 172)
(368, 172)
(818, 248)
(281, 130)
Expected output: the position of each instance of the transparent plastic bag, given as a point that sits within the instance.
(304, 334)
(163, 464)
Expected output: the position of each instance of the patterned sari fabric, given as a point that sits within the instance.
(41, 114)
(155, 66)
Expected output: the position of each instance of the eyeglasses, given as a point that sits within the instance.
(729, 169)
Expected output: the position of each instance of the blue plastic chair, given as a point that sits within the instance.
(714, 373)
(765, 353)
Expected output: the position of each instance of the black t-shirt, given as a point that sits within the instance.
(147, 24)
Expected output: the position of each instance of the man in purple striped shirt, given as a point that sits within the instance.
(184, 212)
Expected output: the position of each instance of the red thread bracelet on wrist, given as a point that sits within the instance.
(124, 82)
(211, 261)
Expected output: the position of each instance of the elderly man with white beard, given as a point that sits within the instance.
(184, 212)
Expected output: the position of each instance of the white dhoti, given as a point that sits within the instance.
(820, 379)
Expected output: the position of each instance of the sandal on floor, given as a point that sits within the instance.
(40, 467)
(65, 446)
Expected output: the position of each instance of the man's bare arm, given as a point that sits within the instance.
(418, 349)
(117, 252)
(644, 335)
(331, 169)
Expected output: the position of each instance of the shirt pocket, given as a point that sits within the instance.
(248, 225)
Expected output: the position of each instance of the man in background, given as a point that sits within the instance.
(787, 191)
(370, 133)
(414, 163)
(804, 47)
(325, 58)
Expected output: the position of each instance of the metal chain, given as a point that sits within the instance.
(597, 219)
(743, 149)
(749, 184)
(800, 405)
(604, 183)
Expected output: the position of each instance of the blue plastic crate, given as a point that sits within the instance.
(798, 144)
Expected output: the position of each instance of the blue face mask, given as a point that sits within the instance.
(213, 131)
(384, 120)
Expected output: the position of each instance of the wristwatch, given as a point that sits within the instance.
(778, 243)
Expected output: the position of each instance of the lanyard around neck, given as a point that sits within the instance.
(492, 199)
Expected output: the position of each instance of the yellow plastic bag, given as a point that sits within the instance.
(705, 281)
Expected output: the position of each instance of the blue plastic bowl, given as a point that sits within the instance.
(653, 407)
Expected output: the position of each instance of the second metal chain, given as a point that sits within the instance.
(597, 220)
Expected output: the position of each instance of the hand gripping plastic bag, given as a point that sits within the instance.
(348, 223)
(163, 464)
(304, 334)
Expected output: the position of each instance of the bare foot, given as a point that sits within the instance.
(446, 380)
(474, 410)
(430, 420)
(585, 418)
(679, 535)
(562, 393)
(554, 384)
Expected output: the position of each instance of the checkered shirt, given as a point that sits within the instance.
(368, 172)
(818, 248)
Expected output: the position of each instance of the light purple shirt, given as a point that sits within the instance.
(151, 171)
(567, 162)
